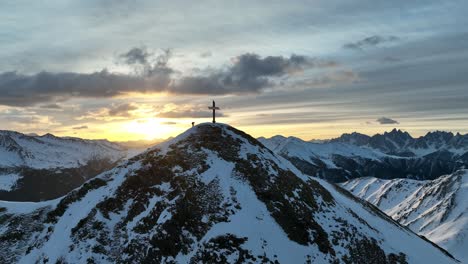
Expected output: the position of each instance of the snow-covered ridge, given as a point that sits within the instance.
(49, 151)
(392, 155)
(437, 209)
(212, 195)
(36, 168)
(306, 149)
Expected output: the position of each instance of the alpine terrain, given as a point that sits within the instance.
(211, 195)
(390, 155)
(436, 209)
(34, 168)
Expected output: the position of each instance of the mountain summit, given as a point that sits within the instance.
(211, 195)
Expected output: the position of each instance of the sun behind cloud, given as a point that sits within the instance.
(151, 128)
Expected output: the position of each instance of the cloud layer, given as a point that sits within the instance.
(396, 59)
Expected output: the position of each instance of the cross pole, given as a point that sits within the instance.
(214, 108)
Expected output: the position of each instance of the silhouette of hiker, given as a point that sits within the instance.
(193, 123)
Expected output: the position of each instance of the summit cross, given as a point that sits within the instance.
(214, 108)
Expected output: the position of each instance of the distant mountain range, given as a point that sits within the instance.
(390, 155)
(34, 168)
(211, 195)
(436, 209)
(401, 143)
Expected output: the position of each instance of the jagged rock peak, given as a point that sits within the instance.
(398, 132)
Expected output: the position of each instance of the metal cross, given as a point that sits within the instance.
(214, 108)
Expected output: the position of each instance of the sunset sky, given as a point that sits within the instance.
(128, 69)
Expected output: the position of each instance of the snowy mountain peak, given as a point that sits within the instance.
(354, 138)
(212, 194)
(48, 135)
(398, 134)
(49, 151)
(278, 142)
(33, 168)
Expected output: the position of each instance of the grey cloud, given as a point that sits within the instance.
(51, 106)
(122, 109)
(328, 79)
(391, 59)
(371, 41)
(148, 64)
(136, 56)
(80, 127)
(23, 119)
(169, 123)
(249, 73)
(286, 118)
(206, 54)
(386, 121)
(332, 17)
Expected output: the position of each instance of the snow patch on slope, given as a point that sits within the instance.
(8, 181)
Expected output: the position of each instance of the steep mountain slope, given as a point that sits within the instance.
(437, 209)
(212, 195)
(356, 155)
(33, 168)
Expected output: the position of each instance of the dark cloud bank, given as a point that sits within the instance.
(136, 56)
(122, 109)
(249, 73)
